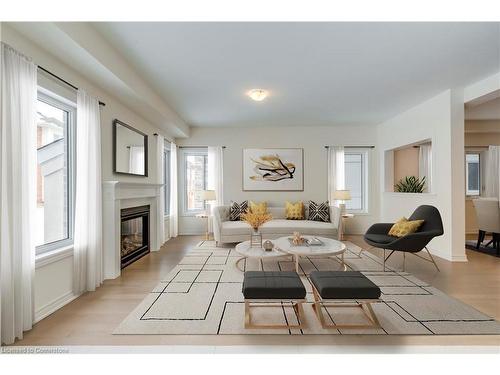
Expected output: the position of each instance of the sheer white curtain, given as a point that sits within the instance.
(160, 170)
(17, 192)
(492, 178)
(336, 171)
(174, 213)
(88, 200)
(216, 173)
(215, 177)
(425, 165)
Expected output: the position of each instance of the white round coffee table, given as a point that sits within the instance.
(330, 248)
(259, 253)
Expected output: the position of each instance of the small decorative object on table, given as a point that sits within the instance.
(314, 241)
(268, 245)
(297, 239)
(256, 220)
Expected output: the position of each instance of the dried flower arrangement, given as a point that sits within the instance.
(255, 220)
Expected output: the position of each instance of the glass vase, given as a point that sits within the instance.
(255, 238)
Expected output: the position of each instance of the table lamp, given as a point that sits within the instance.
(342, 196)
(208, 196)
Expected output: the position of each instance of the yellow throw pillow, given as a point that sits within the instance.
(403, 227)
(294, 211)
(258, 208)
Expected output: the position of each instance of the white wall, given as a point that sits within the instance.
(484, 90)
(439, 119)
(53, 277)
(311, 139)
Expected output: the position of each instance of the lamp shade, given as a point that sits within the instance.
(208, 195)
(342, 195)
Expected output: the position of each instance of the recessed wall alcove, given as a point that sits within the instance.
(413, 159)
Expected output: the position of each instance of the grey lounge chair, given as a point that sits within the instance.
(377, 235)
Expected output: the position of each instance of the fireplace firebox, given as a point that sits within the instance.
(134, 236)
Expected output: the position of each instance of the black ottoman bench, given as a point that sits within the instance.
(266, 289)
(330, 287)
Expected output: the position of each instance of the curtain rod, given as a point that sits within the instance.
(353, 146)
(64, 81)
(166, 139)
(197, 146)
(156, 134)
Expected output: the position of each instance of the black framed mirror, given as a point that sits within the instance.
(130, 150)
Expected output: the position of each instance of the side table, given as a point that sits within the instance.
(205, 216)
(344, 217)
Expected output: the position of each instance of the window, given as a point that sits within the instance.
(356, 177)
(55, 166)
(195, 177)
(166, 177)
(472, 174)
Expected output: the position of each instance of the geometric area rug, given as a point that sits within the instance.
(202, 296)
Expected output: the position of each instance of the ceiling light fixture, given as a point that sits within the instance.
(258, 94)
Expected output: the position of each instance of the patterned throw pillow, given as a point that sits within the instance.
(319, 212)
(258, 208)
(294, 211)
(403, 227)
(236, 209)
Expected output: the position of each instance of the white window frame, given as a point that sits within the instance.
(365, 175)
(166, 178)
(467, 193)
(182, 174)
(55, 100)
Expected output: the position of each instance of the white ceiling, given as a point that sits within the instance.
(82, 48)
(317, 73)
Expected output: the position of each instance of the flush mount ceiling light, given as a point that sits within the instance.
(257, 94)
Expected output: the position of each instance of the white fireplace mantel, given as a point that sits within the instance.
(118, 195)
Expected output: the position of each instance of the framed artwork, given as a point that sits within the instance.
(273, 169)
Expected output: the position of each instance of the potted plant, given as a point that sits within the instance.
(410, 184)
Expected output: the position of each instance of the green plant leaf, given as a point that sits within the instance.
(410, 184)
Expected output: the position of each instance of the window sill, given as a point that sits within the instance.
(53, 256)
(362, 213)
(192, 214)
(396, 194)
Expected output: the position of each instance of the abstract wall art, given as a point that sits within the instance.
(273, 169)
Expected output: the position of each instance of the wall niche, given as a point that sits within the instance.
(413, 161)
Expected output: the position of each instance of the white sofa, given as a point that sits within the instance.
(226, 231)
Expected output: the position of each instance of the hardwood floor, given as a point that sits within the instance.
(90, 319)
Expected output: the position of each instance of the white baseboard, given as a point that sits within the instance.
(459, 258)
(55, 305)
(445, 256)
